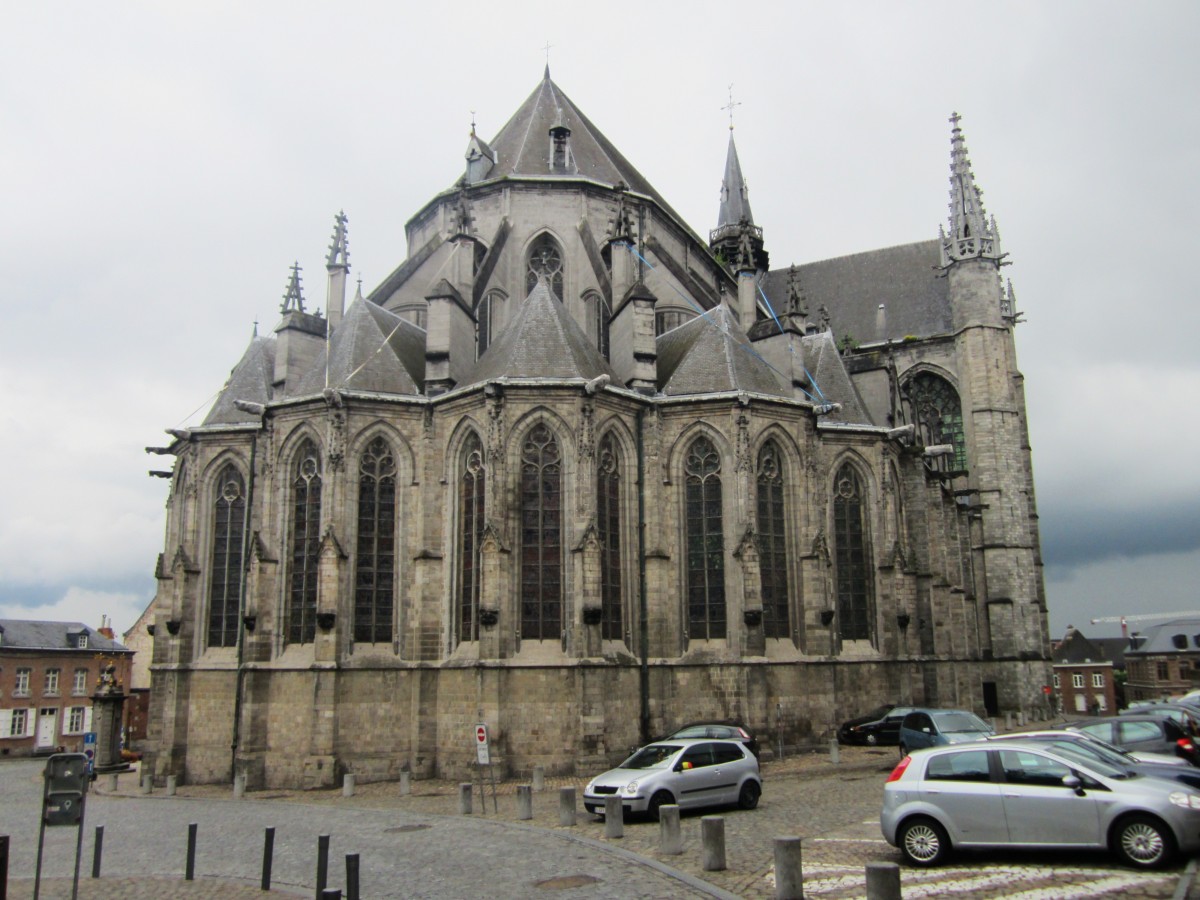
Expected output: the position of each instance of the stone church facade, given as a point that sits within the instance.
(577, 473)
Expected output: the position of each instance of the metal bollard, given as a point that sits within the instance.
(789, 873)
(347, 785)
(405, 783)
(189, 872)
(883, 881)
(614, 817)
(539, 778)
(351, 876)
(670, 835)
(172, 785)
(97, 853)
(712, 837)
(524, 801)
(835, 752)
(323, 865)
(3, 865)
(330, 894)
(268, 857)
(464, 798)
(566, 806)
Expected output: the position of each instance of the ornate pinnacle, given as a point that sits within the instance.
(797, 302)
(339, 247)
(971, 235)
(293, 297)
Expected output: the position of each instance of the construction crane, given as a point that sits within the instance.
(1142, 618)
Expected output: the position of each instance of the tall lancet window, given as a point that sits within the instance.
(608, 523)
(375, 557)
(471, 487)
(852, 556)
(937, 412)
(545, 261)
(601, 316)
(705, 541)
(229, 536)
(305, 530)
(541, 536)
(772, 542)
(486, 313)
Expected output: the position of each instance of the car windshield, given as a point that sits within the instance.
(1095, 758)
(878, 713)
(651, 757)
(1124, 755)
(957, 723)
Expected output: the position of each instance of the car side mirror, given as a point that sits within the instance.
(927, 731)
(1073, 782)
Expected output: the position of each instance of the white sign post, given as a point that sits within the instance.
(483, 758)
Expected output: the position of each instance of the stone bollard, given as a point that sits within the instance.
(789, 874)
(614, 817)
(712, 837)
(348, 785)
(883, 881)
(147, 784)
(110, 782)
(172, 785)
(1008, 721)
(835, 752)
(669, 834)
(524, 801)
(464, 798)
(539, 778)
(239, 786)
(405, 784)
(566, 806)
(992, 722)
(1020, 719)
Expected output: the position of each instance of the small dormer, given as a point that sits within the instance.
(1180, 641)
(77, 639)
(560, 148)
(480, 158)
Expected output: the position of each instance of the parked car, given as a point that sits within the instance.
(1156, 734)
(879, 726)
(933, 727)
(1186, 715)
(1026, 794)
(689, 773)
(725, 731)
(1088, 748)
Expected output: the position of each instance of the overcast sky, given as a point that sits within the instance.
(162, 165)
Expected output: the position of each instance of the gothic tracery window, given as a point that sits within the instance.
(471, 487)
(705, 542)
(937, 412)
(545, 262)
(541, 536)
(852, 558)
(772, 542)
(608, 523)
(601, 316)
(304, 528)
(229, 536)
(375, 557)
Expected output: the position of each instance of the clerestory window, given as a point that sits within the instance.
(541, 536)
(937, 412)
(304, 528)
(855, 594)
(608, 523)
(705, 542)
(470, 534)
(772, 542)
(545, 262)
(375, 557)
(226, 561)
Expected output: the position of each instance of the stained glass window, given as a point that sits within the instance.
(375, 560)
(852, 556)
(225, 573)
(541, 536)
(305, 527)
(545, 261)
(938, 414)
(470, 533)
(772, 542)
(608, 522)
(705, 542)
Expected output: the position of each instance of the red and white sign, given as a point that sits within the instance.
(481, 745)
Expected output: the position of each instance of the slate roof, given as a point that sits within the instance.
(833, 384)
(541, 341)
(735, 202)
(371, 350)
(1160, 638)
(1075, 649)
(250, 380)
(903, 278)
(711, 353)
(28, 634)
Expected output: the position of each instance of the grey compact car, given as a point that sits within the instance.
(688, 773)
(1024, 794)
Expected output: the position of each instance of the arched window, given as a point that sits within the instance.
(486, 314)
(852, 557)
(772, 542)
(601, 316)
(665, 320)
(545, 261)
(705, 542)
(937, 412)
(541, 536)
(375, 557)
(608, 523)
(470, 532)
(229, 536)
(305, 529)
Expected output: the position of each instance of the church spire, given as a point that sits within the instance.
(293, 297)
(735, 199)
(972, 235)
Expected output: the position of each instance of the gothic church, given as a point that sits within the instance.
(575, 472)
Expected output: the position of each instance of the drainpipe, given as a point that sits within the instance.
(643, 610)
(241, 644)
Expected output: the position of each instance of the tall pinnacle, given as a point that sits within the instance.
(339, 247)
(735, 201)
(971, 234)
(293, 298)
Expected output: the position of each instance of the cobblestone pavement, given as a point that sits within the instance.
(417, 845)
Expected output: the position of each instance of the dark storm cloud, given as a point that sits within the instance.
(1078, 535)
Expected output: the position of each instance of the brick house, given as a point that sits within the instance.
(1162, 660)
(1084, 675)
(48, 671)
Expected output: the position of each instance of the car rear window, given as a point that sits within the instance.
(969, 765)
(1140, 731)
(727, 753)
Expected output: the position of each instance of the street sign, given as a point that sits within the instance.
(89, 750)
(481, 745)
(1046, 689)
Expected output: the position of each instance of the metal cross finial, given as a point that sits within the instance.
(547, 49)
(730, 106)
(472, 121)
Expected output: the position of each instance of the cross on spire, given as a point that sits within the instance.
(547, 49)
(729, 107)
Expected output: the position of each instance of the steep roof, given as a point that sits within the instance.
(543, 340)
(735, 201)
(711, 353)
(1076, 649)
(1161, 638)
(250, 380)
(29, 634)
(833, 383)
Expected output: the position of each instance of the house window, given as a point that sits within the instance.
(608, 523)
(1056, 680)
(705, 542)
(21, 685)
(545, 263)
(1077, 680)
(852, 556)
(18, 725)
(1098, 679)
(83, 641)
(541, 536)
(1164, 671)
(305, 527)
(52, 676)
(79, 682)
(375, 562)
(229, 537)
(75, 717)
(470, 534)
(937, 412)
(773, 542)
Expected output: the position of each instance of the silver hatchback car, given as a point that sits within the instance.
(688, 773)
(1022, 794)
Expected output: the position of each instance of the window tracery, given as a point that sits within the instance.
(375, 559)
(855, 594)
(470, 534)
(608, 523)
(305, 528)
(541, 536)
(772, 540)
(937, 412)
(228, 542)
(545, 261)
(705, 541)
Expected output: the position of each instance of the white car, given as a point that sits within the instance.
(687, 773)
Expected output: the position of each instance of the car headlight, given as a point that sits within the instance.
(1184, 799)
(591, 788)
(631, 788)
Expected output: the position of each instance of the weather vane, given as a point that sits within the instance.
(730, 106)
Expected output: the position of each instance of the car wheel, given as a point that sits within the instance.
(923, 842)
(657, 802)
(872, 740)
(749, 794)
(1143, 842)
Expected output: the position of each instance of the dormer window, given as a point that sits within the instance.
(560, 147)
(82, 640)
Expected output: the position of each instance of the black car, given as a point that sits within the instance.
(731, 731)
(879, 726)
